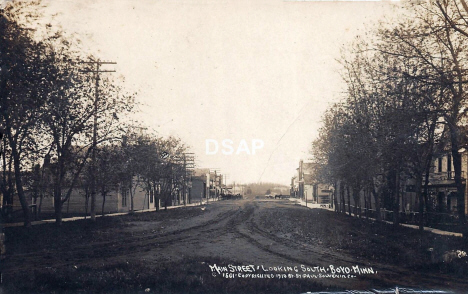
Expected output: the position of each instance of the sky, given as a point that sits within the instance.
(245, 71)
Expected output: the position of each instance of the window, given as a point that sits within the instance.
(439, 169)
(151, 196)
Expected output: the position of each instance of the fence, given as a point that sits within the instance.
(408, 217)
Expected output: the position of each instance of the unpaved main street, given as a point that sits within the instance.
(273, 236)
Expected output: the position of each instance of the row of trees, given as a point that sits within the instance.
(406, 92)
(141, 161)
(49, 109)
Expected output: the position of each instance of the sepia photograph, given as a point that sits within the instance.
(234, 146)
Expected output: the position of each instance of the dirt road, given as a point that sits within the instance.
(267, 235)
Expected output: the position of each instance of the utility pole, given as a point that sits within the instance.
(187, 162)
(225, 181)
(190, 170)
(97, 64)
(189, 165)
(215, 185)
(184, 180)
(215, 170)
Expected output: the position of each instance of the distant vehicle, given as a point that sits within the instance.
(231, 196)
(237, 196)
(280, 196)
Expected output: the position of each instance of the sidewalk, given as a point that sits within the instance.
(71, 219)
(429, 229)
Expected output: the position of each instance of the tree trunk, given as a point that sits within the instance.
(19, 187)
(425, 194)
(34, 205)
(396, 199)
(86, 203)
(342, 197)
(41, 197)
(103, 203)
(131, 195)
(456, 156)
(7, 187)
(369, 201)
(419, 196)
(156, 198)
(68, 205)
(58, 209)
(349, 200)
(366, 193)
(378, 215)
(356, 201)
(335, 200)
(376, 195)
(427, 169)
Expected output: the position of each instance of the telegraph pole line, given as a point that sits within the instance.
(188, 167)
(97, 71)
